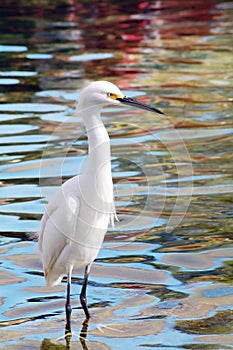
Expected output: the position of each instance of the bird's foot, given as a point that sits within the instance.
(67, 336)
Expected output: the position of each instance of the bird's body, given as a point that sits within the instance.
(77, 217)
(64, 242)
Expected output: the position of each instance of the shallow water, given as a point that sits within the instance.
(163, 278)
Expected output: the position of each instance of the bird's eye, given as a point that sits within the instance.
(112, 96)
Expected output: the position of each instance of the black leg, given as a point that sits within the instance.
(83, 298)
(68, 306)
(83, 335)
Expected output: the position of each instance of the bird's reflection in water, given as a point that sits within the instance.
(48, 344)
(83, 335)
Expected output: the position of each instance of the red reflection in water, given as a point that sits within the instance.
(128, 29)
(124, 29)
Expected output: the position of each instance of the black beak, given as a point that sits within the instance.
(134, 103)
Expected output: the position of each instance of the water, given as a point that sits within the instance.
(163, 279)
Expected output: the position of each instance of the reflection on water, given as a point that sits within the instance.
(163, 278)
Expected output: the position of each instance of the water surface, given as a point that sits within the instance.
(163, 278)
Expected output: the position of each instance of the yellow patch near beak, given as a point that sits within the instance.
(115, 96)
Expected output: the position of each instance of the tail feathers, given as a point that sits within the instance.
(52, 278)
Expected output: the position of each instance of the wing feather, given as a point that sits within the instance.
(57, 228)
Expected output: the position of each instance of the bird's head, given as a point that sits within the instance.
(103, 93)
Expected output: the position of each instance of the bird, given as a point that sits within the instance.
(77, 216)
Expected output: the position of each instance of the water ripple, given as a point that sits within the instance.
(163, 276)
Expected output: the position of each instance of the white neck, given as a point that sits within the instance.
(99, 154)
(97, 170)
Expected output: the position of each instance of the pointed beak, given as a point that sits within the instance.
(134, 103)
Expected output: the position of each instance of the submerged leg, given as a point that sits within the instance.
(68, 305)
(83, 298)
(83, 335)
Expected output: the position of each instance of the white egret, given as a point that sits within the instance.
(77, 217)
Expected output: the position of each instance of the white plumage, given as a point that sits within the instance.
(77, 217)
